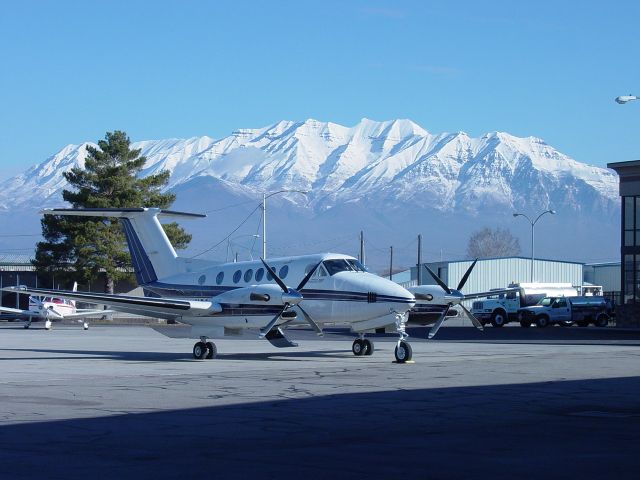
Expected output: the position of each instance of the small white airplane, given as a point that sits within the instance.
(50, 308)
(435, 302)
(223, 299)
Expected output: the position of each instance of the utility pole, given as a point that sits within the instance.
(419, 259)
(362, 259)
(391, 264)
(264, 226)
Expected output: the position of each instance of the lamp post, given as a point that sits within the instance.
(229, 243)
(622, 99)
(264, 216)
(533, 224)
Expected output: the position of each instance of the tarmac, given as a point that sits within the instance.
(126, 402)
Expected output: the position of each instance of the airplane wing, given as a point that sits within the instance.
(168, 308)
(87, 313)
(17, 311)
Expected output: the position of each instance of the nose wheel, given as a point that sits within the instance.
(403, 352)
(204, 349)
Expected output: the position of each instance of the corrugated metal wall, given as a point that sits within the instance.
(498, 273)
(606, 274)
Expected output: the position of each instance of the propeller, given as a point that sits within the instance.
(455, 297)
(291, 298)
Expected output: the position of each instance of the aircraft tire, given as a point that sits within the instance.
(212, 351)
(369, 348)
(199, 350)
(403, 352)
(358, 347)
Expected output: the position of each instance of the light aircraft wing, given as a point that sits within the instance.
(17, 311)
(169, 308)
(87, 313)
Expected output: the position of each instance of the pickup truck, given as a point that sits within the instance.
(566, 311)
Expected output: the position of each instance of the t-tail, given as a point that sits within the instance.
(152, 254)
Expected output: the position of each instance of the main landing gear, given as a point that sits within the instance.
(204, 349)
(362, 346)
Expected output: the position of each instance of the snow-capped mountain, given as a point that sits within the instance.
(392, 177)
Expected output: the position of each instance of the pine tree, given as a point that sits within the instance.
(79, 248)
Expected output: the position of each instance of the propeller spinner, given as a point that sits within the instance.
(454, 297)
(290, 298)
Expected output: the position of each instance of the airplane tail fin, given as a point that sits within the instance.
(152, 254)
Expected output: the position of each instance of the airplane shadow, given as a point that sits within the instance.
(585, 429)
(280, 356)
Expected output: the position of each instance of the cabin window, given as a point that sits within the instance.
(219, 278)
(270, 270)
(284, 271)
(247, 275)
(259, 274)
(237, 276)
(202, 279)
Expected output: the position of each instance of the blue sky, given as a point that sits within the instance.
(72, 70)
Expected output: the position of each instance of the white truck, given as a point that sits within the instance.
(566, 311)
(503, 308)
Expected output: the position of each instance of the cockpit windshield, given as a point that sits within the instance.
(343, 265)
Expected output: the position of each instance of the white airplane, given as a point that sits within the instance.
(435, 302)
(50, 308)
(223, 299)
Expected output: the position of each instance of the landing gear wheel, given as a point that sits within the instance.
(403, 352)
(368, 345)
(47, 325)
(85, 326)
(199, 350)
(212, 351)
(358, 348)
(27, 325)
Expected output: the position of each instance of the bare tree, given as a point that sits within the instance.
(492, 243)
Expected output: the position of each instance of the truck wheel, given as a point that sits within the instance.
(498, 319)
(525, 324)
(566, 323)
(602, 320)
(542, 321)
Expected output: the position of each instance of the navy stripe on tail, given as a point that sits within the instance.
(141, 263)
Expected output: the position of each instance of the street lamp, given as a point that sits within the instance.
(533, 224)
(264, 216)
(626, 98)
(229, 243)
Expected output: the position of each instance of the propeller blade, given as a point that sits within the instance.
(466, 275)
(53, 313)
(275, 276)
(438, 324)
(438, 281)
(473, 318)
(311, 322)
(264, 330)
(307, 277)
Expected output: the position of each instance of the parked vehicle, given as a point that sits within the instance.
(566, 311)
(503, 308)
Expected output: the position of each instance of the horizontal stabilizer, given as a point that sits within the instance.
(116, 212)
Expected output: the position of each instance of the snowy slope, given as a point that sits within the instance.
(375, 166)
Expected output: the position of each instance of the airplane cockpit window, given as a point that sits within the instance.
(357, 266)
(247, 275)
(237, 276)
(259, 274)
(284, 271)
(320, 271)
(219, 278)
(336, 266)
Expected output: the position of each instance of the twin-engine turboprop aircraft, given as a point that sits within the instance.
(223, 299)
(53, 308)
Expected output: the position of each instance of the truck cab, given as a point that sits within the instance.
(566, 311)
